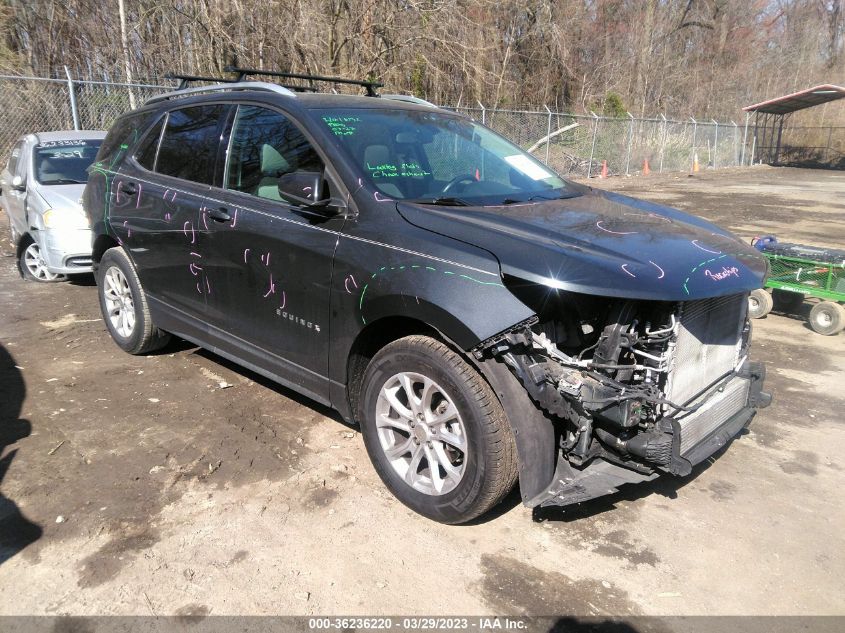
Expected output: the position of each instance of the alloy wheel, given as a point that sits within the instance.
(36, 265)
(421, 433)
(119, 301)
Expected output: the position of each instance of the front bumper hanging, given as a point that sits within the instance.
(600, 476)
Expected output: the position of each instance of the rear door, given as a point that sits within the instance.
(269, 264)
(156, 203)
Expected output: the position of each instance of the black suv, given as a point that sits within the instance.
(481, 319)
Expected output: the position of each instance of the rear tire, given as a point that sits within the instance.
(435, 432)
(786, 301)
(827, 318)
(124, 305)
(759, 303)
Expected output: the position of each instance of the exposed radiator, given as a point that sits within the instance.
(708, 345)
(722, 405)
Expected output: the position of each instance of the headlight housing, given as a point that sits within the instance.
(65, 219)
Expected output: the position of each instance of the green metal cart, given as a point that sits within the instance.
(796, 273)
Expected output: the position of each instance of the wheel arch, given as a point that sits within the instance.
(102, 243)
(24, 240)
(373, 337)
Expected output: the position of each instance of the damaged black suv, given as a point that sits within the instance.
(481, 319)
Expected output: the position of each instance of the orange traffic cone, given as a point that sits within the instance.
(695, 162)
(603, 169)
(646, 168)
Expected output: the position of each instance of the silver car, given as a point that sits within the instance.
(41, 190)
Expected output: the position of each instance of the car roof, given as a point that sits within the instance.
(68, 135)
(293, 101)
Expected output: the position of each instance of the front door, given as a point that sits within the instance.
(269, 263)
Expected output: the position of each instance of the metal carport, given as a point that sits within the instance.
(770, 115)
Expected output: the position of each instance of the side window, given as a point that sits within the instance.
(122, 135)
(189, 145)
(14, 158)
(148, 149)
(266, 144)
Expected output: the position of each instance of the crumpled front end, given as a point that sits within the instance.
(633, 388)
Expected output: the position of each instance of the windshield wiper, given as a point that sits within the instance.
(445, 201)
(537, 196)
(63, 181)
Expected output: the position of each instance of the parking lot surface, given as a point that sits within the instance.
(178, 483)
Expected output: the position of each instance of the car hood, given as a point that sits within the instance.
(64, 197)
(603, 243)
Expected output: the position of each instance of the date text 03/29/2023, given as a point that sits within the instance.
(482, 623)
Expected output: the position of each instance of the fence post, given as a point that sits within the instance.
(744, 140)
(630, 142)
(694, 132)
(715, 143)
(548, 132)
(662, 143)
(736, 140)
(828, 154)
(593, 145)
(74, 112)
(483, 113)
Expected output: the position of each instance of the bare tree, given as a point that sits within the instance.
(704, 58)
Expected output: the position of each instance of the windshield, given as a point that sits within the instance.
(64, 162)
(438, 158)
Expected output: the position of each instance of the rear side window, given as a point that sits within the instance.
(148, 149)
(123, 135)
(188, 148)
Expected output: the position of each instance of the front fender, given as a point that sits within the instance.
(466, 306)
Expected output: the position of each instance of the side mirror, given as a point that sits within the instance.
(18, 183)
(302, 188)
(305, 189)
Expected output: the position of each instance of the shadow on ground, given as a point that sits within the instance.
(16, 531)
(665, 486)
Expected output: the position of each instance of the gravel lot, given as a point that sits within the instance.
(140, 485)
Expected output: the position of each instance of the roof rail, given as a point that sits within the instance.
(235, 85)
(410, 99)
(243, 73)
(184, 80)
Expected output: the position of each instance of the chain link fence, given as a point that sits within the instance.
(581, 145)
(572, 144)
(35, 104)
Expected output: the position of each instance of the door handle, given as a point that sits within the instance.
(129, 188)
(220, 214)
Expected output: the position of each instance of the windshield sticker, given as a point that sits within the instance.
(528, 167)
(342, 125)
(404, 170)
(60, 143)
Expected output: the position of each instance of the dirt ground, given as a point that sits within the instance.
(178, 483)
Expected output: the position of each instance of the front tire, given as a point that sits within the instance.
(32, 264)
(124, 305)
(435, 432)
